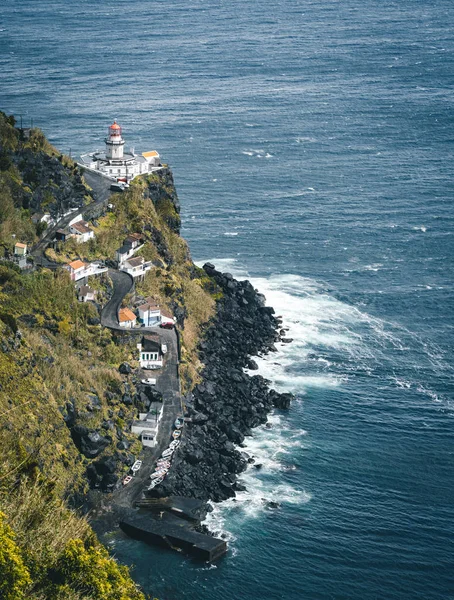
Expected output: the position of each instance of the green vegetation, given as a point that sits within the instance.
(29, 170)
(57, 363)
(50, 355)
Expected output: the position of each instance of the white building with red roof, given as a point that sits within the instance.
(126, 318)
(78, 269)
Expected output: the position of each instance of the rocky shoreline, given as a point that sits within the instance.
(229, 403)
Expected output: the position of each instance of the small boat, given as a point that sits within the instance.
(174, 445)
(167, 453)
(149, 381)
(157, 474)
(162, 467)
(176, 434)
(156, 482)
(178, 423)
(136, 466)
(127, 479)
(164, 464)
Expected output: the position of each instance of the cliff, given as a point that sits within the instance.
(65, 404)
(70, 389)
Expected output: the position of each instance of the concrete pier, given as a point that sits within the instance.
(174, 533)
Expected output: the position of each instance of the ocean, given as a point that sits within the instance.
(312, 148)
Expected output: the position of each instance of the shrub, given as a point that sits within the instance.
(14, 575)
(91, 571)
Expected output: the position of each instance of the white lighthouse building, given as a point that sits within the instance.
(114, 143)
(117, 164)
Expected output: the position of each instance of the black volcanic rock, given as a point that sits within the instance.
(228, 403)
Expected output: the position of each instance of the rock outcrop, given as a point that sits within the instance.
(229, 403)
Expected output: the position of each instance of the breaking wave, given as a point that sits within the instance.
(330, 342)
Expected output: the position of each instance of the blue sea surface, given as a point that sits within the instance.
(312, 148)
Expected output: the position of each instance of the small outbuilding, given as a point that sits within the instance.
(20, 249)
(86, 294)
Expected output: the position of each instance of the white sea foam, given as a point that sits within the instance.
(302, 140)
(331, 339)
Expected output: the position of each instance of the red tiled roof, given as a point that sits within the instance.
(77, 264)
(125, 314)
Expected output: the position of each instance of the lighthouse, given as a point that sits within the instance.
(115, 163)
(114, 142)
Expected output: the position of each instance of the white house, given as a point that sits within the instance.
(151, 314)
(123, 254)
(130, 246)
(136, 266)
(20, 249)
(82, 231)
(150, 354)
(148, 424)
(86, 294)
(41, 218)
(135, 240)
(79, 269)
(115, 162)
(126, 318)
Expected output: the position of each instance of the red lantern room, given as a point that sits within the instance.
(114, 130)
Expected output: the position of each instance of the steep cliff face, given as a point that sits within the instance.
(34, 177)
(161, 189)
(66, 403)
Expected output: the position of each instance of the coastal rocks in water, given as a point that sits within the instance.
(281, 400)
(271, 503)
(228, 403)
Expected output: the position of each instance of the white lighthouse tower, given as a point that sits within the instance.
(114, 143)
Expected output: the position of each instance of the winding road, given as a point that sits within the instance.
(168, 383)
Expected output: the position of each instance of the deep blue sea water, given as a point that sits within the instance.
(312, 147)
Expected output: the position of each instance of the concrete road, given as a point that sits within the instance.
(123, 284)
(167, 382)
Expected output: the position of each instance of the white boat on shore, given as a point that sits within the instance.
(155, 482)
(136, 466)
(179, 422)
(159, 473)
(167, 453)
(174, 445)
(176, 434)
